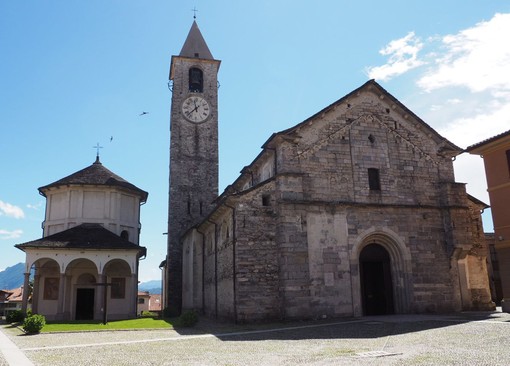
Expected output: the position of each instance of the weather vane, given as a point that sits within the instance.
(194, 10)
(97, 147)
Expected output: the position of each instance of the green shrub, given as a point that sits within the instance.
(148, 314)
(14, 316)
(188, 318)
(34, 323)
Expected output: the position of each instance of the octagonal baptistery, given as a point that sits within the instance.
(88, 257)
(94, 195)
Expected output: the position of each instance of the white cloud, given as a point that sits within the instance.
(5, 234)
(403, 56)
(453, 101)
(11, 211)
(35, 207)
(465, 87)
(465, 131)
(477, 58)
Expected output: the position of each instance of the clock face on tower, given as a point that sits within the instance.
(196, 109)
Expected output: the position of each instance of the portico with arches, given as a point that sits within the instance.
(86, 264)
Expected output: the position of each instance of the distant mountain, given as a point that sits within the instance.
(154, 286)
(12, 277)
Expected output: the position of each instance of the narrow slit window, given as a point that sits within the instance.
(266, 200)
(373, 179)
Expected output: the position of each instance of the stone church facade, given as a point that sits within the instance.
(354, 211)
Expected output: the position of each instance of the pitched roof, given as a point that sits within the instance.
(369, 84)
(155, 302)
(487, 141)
(84, 236)
(476, 201)
(95, 174)
(195, 46)
(14, 295)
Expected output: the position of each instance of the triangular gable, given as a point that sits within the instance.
(370, 85)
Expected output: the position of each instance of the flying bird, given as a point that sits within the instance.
(141, 114)
(111, 139)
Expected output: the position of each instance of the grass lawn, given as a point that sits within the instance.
(140, 323)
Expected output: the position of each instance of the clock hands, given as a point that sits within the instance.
(192, 111)
(195, 109)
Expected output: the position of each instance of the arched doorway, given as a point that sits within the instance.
(85, 297)
(376, 282)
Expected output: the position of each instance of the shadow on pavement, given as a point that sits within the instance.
(346, 328)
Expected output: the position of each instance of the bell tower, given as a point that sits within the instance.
(193, 151)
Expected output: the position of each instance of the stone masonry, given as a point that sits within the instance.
(294, 236)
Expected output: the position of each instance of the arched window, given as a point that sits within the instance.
(196, 80)
(124, 234)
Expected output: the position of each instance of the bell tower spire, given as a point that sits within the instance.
(195, 46)
(193, 150)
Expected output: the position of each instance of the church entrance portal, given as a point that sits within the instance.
(376, 284)
(85, 304)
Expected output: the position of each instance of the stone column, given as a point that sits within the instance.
(100, 292)
(68, 297)
(26, 289)
(61, 296)
(134, 296)
(35, 293)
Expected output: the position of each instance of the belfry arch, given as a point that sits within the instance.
(380, 252)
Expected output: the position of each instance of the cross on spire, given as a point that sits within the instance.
(97, 147)
(194, 10)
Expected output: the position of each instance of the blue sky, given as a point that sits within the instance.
(75, 73)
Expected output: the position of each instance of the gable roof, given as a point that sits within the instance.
(370, 84)
(84, 236)
(14, 295)
(478, 202)
(95, 174)
(473, 148)
(155, 302)
(195, 46)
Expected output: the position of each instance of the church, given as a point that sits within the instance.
(353, 211)
(86, 264)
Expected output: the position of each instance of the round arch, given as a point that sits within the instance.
(82, 300)
(122, 289)
(399, 267)
(46, 284)
(117, 267)
(78, 266)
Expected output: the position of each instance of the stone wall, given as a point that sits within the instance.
(299, 226)
(257, 256)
